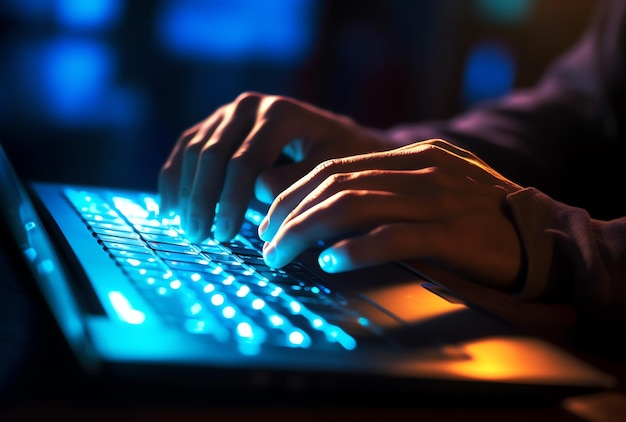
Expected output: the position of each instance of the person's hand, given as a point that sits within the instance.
(231, 154)
(429, 200)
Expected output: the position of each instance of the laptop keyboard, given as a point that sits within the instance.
(223, 290)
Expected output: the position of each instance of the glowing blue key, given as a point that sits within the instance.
(217, 299)
(134, 262)
(258, 304)
(296, 338)
(276, 320)
(195, 308)
(245, 330)
(295, 307)
(254, 217)
(243, 291)
(229, 312)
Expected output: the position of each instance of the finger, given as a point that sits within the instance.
(205, 175)
(190, 163)
(170, 173)
(279, 122)
(345, 212)
(386, 243)
(395, 181)
(257, 152)
(322, 176)
(465, 253)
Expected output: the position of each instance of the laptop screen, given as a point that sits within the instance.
(24, 229)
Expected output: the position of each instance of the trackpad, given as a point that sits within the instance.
(414, 302)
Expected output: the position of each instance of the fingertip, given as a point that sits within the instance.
(327, 261)
(197, 228)
(263, 228)
(269, 254)
(223, 229)
(332, 260)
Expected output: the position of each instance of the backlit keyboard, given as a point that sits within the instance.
(223, 290)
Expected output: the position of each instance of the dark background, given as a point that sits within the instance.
(97, 91)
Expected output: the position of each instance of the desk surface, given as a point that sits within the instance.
(34, 393)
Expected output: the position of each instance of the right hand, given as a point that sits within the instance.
(231, 154)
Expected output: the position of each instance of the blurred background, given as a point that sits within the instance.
(97, 91)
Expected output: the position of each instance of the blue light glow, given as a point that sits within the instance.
(275, 30)
(258, 304)
(87, 14)
(70, 82)
(217, 299)
(229, 312)
(276, 320)
(243, 291)
(245, 330)
(327, 261)
(195, 308)
(125, 310)
(28, 8)
(74, 75)
(489, 73)
(296, 308)
(296, 338)
(254, 216)
(133, 262)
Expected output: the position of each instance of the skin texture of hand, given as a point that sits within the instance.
(230, 155)
(429, 200)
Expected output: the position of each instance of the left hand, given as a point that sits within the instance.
(430, 200)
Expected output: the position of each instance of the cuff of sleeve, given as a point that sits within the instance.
(530, 212)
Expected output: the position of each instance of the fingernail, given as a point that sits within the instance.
(328, 261)
(263, 226)
(269, 253)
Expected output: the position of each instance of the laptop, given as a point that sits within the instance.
(138, 305)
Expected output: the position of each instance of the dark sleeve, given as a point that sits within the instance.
(574, 259)
(564, 139)
(562, 133)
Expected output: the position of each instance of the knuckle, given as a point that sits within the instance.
(335, 181)
(191, 150)
(328, 167)
(277, 107)
(247, 99)
(211, 149)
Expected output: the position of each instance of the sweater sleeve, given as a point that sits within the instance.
(572, 258)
